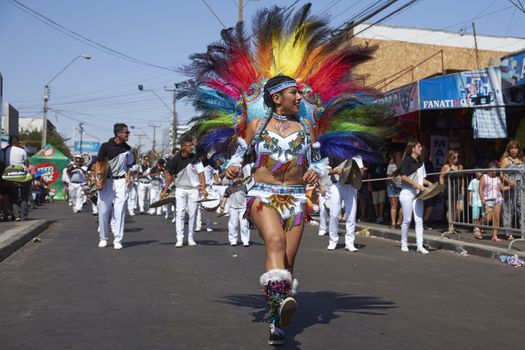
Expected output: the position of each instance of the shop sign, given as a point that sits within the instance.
(513, 70)
(402, 100)
(480, 88)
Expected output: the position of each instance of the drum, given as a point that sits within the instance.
(431, 191)
(100, 169)
(169, 199)
(212, 202)
(352, 174)
(91, 193)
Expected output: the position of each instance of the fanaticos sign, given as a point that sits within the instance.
(480, 88)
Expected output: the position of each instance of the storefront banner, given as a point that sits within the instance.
(513, 70)
(489, 123)
(480, 88)
(90, 147)
(402, 100)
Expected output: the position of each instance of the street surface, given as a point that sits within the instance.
(66, 293)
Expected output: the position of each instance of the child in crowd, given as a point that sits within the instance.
(474, 201)
(490, 188)
(236, 193)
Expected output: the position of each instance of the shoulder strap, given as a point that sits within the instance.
(257, 137)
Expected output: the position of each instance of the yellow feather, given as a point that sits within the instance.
(288, 53)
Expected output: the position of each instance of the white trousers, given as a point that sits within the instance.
(236, 220)
(132, 199)
(204, 217)
(144, 195)
(113, 194)
(409, 205)
(348, 195)
(154, 197)
(323, 214)
(75, 194)
(186, 199)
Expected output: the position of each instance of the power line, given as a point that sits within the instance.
(82, 38)
(214, 14)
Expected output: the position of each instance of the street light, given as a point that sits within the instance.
(46, 96)
(81, 128)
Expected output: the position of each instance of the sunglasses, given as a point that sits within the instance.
(123, 132)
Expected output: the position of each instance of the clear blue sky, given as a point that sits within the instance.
(103, 90)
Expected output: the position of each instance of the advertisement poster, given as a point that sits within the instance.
(49, 163)
(481, 88)
(438, 156)
(402, 100)
(89, 147)
(513, 70)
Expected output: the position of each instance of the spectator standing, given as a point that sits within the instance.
(19, 194)
(514, 161)
(474, 202)
(394, 189)
(457, 185)
(490, 188)
(378, 190)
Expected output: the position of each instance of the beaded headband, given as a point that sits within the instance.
(280, 87)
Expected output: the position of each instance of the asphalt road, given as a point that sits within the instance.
(66, 293)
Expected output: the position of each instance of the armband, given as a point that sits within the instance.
(320, 167)
(238, 157)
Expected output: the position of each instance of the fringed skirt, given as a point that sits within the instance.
(288, 200)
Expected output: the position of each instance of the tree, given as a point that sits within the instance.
(34, 138)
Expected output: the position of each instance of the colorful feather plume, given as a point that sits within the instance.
(230, 76)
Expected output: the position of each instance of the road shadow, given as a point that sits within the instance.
(314, 308)
(135, 243)
(134, 229)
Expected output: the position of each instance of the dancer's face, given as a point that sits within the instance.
(288, 101)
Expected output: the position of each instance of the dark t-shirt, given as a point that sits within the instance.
(378, 172)
(409, 166)
(178, 163)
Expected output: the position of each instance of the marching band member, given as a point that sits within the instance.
(157, 183)
(132, 190)
(77, 177)
(144, 185)
(339, 193)
(188, 172)
(112, 197)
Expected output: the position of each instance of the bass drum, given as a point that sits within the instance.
(212, 202)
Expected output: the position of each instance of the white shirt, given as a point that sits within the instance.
(14, 155)
(189, 177)
(209, 174)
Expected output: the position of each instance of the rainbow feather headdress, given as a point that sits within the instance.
(231, 74)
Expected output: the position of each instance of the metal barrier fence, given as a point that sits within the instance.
(499, 206)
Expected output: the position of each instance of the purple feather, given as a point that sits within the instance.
(347, 144)
(217, 140)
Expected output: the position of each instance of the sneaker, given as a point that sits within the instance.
(233, 244)
(246, 244)
(287, 311)
(331, 246)
(191, 242)
(422, 250)
(117, 245)
(198, 229)
(173, 220)
(131, 214)
(351, 248)
(276, 336)
(209, 229)
(404, 248)
(425, 227)
(103, 243)
(322, 232)
(178, 244)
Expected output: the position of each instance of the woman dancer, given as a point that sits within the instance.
(412, 171)
(276, 203)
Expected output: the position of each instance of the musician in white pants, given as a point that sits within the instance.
(133, 190)
(188, 172)
(211, 177)
(157, 184)
(144, 185)
(326, 183)
(339, 193)
(412, 171)
(236, 195)
(77, 176)
(112, 198)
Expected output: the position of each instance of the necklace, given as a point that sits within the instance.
(281, 123)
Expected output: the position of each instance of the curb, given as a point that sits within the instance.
(15, 238)
(443, 243)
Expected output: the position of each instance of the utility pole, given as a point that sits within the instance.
(476, 44)
(154, 143)
(240, 10)
(174, 120)
(140, 136)
(81, 130)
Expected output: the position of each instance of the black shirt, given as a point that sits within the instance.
(378, 172)
(119, 156)
(178, 163)
(111, 149)
(409, 166)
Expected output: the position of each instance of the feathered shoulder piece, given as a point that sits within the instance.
(231, 74)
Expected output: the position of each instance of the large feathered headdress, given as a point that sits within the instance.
(231, 74)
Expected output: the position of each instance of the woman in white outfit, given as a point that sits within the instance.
(412, 171)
